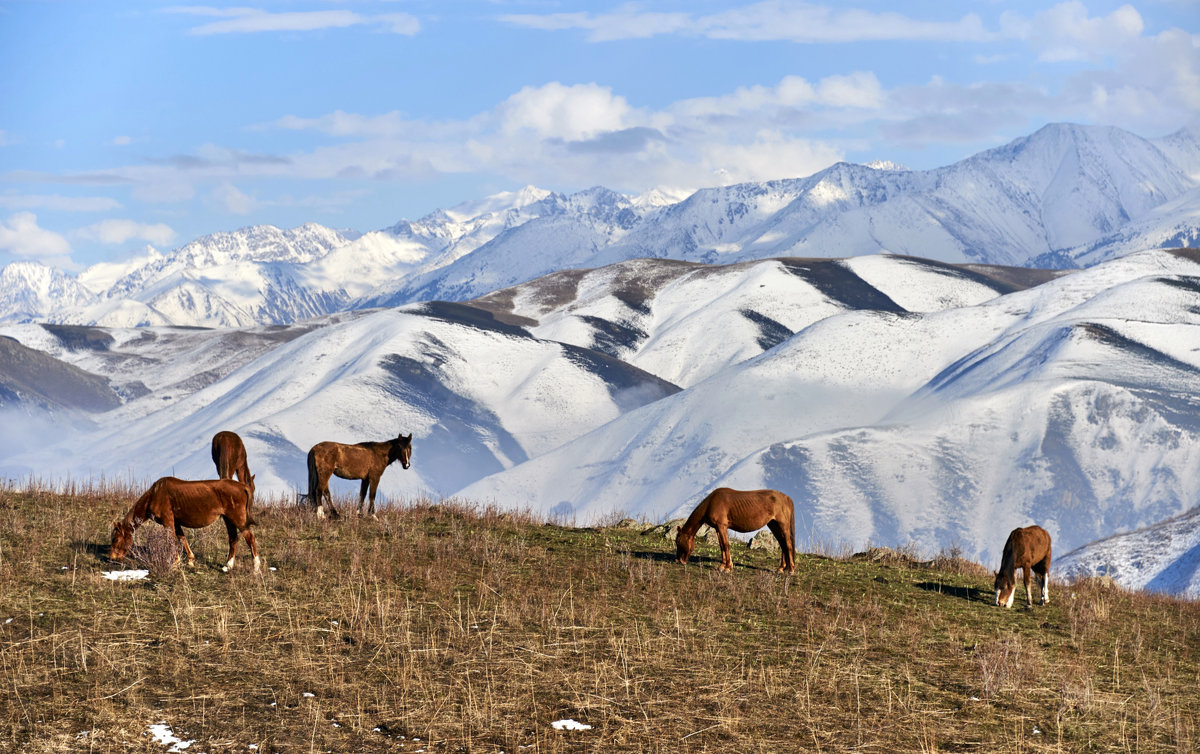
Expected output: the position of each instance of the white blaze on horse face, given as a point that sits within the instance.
(1009, 601)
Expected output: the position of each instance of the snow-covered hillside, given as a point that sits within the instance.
(1164, 557)
(1064, 196)
(685, 321)
(1070, 404)
(898, 400)
(477, 394)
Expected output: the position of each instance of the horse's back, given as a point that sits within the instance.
(228, 453)
(1028, 544)
(747, 510)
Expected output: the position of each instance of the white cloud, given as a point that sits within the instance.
(122, 141)
(556, 111)
(231, 199)
(255, 20)
(1066, 32)
(859, 90)
(59, 203)
(21, 236)
(120, 231)
(771, 20)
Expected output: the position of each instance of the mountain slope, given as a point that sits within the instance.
(1164, 557)
(479, 395)
(1047, 405)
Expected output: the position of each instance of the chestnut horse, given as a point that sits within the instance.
(175, 504)
(1029, 549)
(229, 455)
(741, 511)
(364, 460)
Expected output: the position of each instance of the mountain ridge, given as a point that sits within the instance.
(1065, 196)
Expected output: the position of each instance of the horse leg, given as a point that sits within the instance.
(1044, 572)
(374, 487)
(182, 539)
(1028, 571)
(785, 546)
(249, 536)
(362, 494)
(726, 556)
(324, 496)
(232, 530)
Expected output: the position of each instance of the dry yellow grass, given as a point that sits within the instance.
(447, 628)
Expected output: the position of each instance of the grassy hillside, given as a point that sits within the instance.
(445, 628)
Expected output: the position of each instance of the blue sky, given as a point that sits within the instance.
(127, 123)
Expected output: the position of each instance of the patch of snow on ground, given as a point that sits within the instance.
(130, 575)
(163, 734)
(569, 724)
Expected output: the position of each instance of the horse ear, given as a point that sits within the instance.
(409, 438)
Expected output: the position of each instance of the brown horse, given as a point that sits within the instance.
(175, 504)
(1029, 549)
(229, 455)
(364, 460)
(741, 511)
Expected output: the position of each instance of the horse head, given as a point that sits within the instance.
(1005, 585)
(684, 543)
(122, 539)
(401, 450)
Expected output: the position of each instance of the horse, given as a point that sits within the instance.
(741, 511)
(365, 460)
(176, 503)
(229, 455)
(1029, 549)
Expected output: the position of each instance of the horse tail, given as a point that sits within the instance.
(249, 499)
(313, 478)
(216, 454)
(790, 524)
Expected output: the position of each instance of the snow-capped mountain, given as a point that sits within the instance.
(479, 394)
(33, 292)
(898, 400)
(1065, 196)
(1070, 404)
(588, 354)
(1164, 557)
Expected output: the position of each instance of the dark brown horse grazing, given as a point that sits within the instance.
(229, 454)
(175, 504)
(364, 460)
(1027, 548)
(741, 511)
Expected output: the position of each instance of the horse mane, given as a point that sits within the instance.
(1008, 560)
(694, 521)
(137, 514)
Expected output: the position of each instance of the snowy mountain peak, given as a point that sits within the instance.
(32, 291)
(494, 204)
